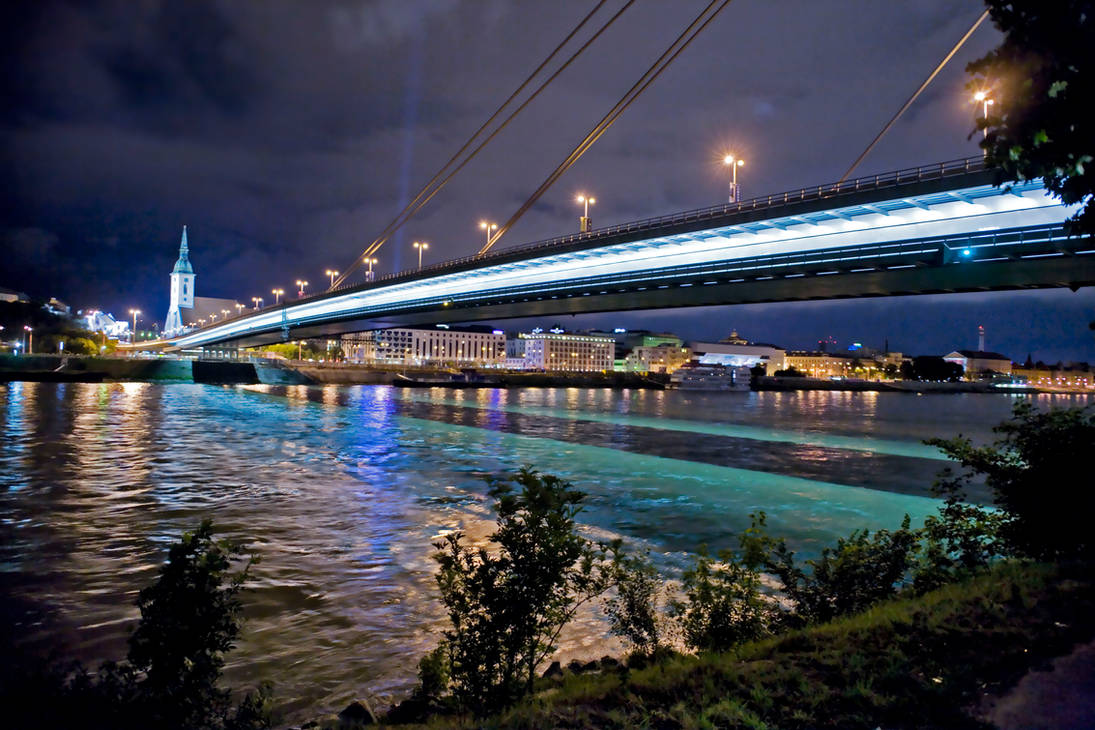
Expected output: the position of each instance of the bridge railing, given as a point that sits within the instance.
(908, 175)
(935, 171)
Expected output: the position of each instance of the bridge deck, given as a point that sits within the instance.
(938, 228)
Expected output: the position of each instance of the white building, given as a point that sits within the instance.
(733, 354)
(182, 289)
(453, 346)
(976, 362)
(568, 352)
(96, 321)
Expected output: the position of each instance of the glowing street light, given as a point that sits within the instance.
(332, 273)
(300, 285)
(734, 164)
(28, 331)
(585, 225)
(986, 102)
(277, 294)
(225, 313)
(212, 317)
(369, 273)
(488, 227)
(239, 308)
(421, 246)
(257, 301)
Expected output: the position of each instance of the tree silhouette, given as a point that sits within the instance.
(1040, 80)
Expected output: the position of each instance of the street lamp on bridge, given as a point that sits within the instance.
(331, 273)
(585, 225)
(369, 273)
(300, 286)
(421, 246)
(488, 227)
(257, 301)
(239, 308)
(277, 295)
(225, 313)
(734, 164)
(986, 102)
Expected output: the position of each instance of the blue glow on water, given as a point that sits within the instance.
(856, 443)
(677, 505)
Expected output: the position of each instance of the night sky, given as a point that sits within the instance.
(287, 134)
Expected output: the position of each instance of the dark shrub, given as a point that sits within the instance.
(860, 571)
(1040, 474)
(506, 607)
(723, 604)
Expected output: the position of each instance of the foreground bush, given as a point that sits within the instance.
(190, 618)
(860, 571)
(1040, 475)
(507, 606)
(723, 604)
(635, 609)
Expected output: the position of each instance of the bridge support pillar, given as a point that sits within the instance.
(221, 352)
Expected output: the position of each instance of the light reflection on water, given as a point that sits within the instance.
(342, 491)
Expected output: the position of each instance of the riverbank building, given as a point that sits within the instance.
(182, 289)
(187, 309)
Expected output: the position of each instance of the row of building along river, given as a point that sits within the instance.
(342, 491)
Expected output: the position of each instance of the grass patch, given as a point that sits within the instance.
(916, 663)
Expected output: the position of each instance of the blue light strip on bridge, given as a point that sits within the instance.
(951, 213)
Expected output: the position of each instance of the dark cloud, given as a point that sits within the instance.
(33, 248)
(185, 54)
(287, 134)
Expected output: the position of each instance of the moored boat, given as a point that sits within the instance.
(711, 377)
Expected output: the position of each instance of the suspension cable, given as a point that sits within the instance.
(683, 41)
(396, 223)
(380, 241)
(912, 98)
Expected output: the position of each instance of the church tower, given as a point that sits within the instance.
(182, 289)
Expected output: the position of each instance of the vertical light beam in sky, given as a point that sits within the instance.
(412, 91)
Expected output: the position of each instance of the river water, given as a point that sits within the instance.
(342, 490)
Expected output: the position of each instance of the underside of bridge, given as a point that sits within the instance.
(1072, 272)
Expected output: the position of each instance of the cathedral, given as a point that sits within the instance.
(188, 310)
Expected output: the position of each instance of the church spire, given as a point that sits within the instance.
(182, 266)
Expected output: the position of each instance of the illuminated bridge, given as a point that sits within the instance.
(927, 230)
